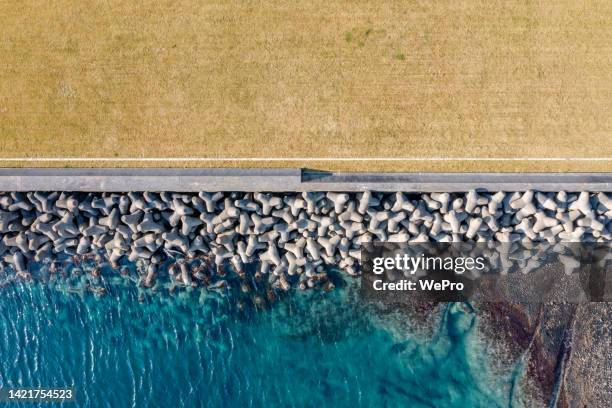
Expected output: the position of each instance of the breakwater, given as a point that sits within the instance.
(289, 239)
(253, 247)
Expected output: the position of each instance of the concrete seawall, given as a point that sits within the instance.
(289, 180)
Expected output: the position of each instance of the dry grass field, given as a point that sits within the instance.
(308, 79)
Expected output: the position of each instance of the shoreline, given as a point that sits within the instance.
(277, 243)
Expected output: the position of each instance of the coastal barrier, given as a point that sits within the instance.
(290, 240)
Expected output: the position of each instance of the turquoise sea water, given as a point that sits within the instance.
(311, 349)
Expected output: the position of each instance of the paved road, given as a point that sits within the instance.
(278, 180)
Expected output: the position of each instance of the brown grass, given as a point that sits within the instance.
(314, 78)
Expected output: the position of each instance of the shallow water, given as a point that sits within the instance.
(310, 349)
